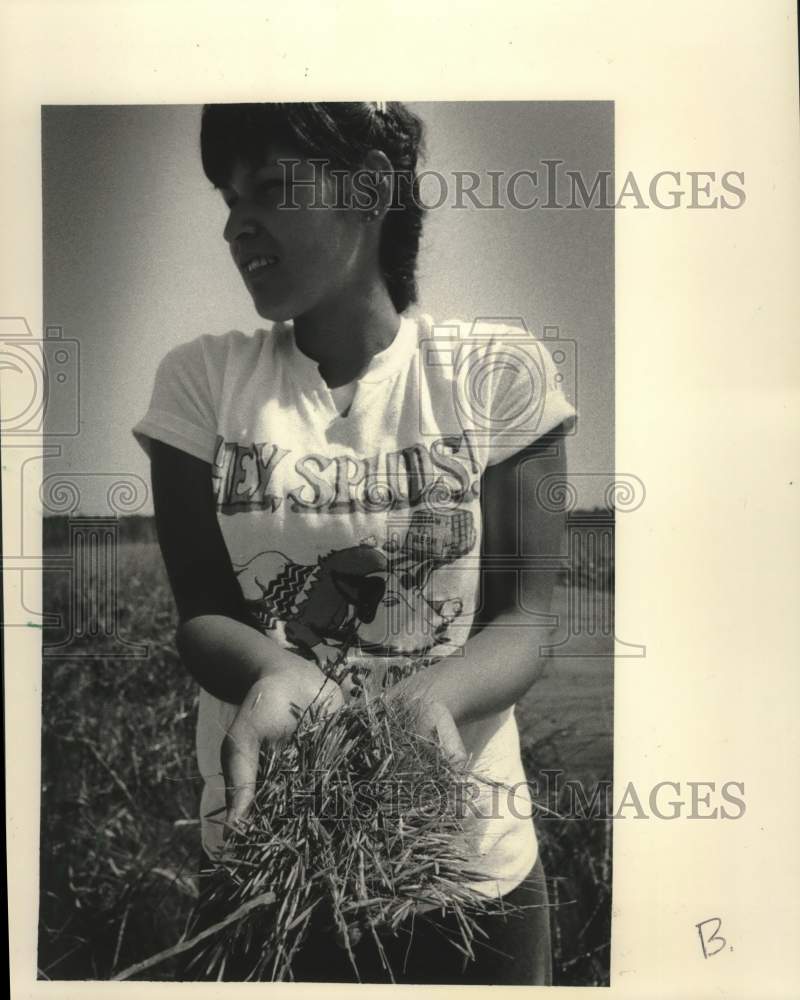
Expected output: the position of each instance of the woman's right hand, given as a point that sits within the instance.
(269, 713)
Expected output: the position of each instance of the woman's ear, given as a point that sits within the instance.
(375, 181)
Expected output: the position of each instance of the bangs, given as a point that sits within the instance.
(231, 132)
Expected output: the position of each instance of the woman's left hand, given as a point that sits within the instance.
(431, 719)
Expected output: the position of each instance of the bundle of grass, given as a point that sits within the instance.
(357, 819)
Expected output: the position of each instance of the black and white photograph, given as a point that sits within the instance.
(333, 664)
(398, 447)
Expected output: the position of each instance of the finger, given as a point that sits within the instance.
(240, 769)
(450, 738)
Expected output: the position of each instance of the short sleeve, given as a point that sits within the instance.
(524, 385)
(182, 410)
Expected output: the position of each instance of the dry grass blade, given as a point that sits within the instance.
(267, 899)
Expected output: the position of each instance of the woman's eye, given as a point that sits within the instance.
(269, 187)
(265, 191)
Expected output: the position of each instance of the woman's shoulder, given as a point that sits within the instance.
(451, 345)
(479, 330)
(490, 361)
(216, 350)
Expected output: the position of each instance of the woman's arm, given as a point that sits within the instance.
(501, 661)
(222, 651)
(229, 657)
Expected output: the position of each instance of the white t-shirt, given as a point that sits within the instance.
(343, 396)
(356, 539)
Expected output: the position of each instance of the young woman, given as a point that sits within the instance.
(331, 493)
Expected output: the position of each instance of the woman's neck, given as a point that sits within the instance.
(342, 338)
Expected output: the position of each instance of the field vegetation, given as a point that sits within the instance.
(119, 825)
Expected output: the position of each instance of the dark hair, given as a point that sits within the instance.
(342, 132)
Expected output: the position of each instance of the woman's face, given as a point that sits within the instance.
(293, 247)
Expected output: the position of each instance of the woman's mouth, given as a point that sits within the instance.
(259, 264)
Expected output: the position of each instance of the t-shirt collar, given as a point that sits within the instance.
(381, 366)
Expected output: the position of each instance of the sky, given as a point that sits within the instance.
(135, 263)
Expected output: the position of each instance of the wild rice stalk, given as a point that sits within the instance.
(358, 820)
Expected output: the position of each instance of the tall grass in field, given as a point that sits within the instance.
(120, 844)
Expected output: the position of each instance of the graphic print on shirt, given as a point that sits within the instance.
(366, 597)
(446, 469)
(370, 604)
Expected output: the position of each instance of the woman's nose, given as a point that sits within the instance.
(240, 224)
